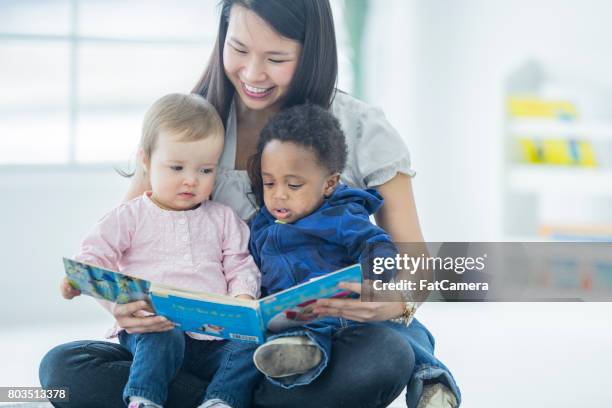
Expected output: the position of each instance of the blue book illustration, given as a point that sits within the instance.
(105, 284)
(212, 314)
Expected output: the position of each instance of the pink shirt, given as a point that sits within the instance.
(205, 249)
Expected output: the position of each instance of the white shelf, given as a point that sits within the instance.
(557, 179)
(548, 128)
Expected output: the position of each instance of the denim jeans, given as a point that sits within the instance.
(369, 366)
(321, 333)
(157, 358)
(428, 369)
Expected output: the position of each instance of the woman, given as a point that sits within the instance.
(269, 55)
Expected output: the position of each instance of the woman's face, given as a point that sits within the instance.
(258, 61)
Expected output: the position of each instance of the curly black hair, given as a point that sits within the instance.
(307, 125)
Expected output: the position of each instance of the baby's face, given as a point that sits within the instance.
(294, 183)
(182, 173)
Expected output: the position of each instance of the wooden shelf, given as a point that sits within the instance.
(560, 179)
(544, 128)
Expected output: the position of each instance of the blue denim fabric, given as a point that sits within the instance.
(427, 367)
(157, 358)
(361, 373)
(320, 332)
(228, 365)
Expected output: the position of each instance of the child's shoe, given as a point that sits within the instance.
(287, 356)
(215, 403)
(139, 402)
(437, 395)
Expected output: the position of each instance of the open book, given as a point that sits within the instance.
(212, 314)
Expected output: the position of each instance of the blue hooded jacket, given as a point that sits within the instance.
(338, 234)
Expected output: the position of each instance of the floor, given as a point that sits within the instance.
(505, 355)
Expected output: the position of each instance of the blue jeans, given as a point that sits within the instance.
(427, 368)
(321, 333)
(369, 367)
(157, 358)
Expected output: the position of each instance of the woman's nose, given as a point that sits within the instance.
(253, 72)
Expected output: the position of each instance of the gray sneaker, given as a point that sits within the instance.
(287, 356)
(437, 395)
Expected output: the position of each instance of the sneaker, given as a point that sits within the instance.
(437, 395)
(139, 402)
(215, 403)
(287, 356)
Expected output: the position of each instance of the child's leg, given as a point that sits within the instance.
(310, 342)
(157, 358)
(227, 365)
(233, 375)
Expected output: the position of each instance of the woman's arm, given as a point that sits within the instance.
(398, 214)
(398, 217)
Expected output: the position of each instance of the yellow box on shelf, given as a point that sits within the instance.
(534, 107)
(559, 152)
(530, 150)
(556, 151)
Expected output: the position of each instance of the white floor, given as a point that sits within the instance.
(503, 355)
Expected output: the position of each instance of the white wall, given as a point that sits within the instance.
(437, 68)
(45, 214)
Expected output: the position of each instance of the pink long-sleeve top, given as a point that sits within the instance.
(205, 249)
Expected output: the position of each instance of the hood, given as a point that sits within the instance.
(370, 199)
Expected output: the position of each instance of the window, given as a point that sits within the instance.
(78, 75)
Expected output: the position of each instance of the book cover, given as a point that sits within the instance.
(212, 314)
(105, 284)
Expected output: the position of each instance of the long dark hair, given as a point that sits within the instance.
(308, 21)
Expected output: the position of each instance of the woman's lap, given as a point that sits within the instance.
(375, 357)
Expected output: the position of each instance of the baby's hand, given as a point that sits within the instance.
(246, 297)
(68, 292)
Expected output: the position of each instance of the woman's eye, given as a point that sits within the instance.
(268, 184)
(207, 171)
(176, 168)
(275, 61)
(238, 50)
(295, 186)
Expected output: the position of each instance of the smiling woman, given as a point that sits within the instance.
(259, 63)
(271, 55)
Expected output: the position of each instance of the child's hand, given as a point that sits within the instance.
(68, 292)
(246, 297)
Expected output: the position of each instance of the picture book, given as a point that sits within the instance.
(212, 314)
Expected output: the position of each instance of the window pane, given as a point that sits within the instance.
(34, 115)
(38, 137)
(33, 75)
(35, 17)
(108, 135)
(128, 75)
(196, 19)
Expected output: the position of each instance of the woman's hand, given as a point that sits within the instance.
(138, 317)
(68, 292)
(355, 309)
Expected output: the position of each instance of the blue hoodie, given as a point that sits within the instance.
(338, 234)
